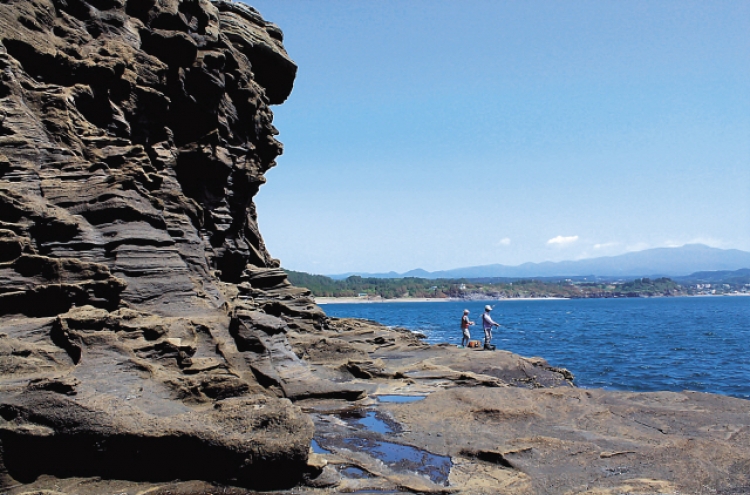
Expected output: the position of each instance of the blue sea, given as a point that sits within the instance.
(675, 344)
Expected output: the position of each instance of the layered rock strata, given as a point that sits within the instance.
(142, 321)
(150, 344)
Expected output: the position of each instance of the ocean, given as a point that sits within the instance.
(633, 344)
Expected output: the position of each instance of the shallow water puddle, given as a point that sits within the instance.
(400, 398)
(317, 449)
(360, 430)
(370, 420)
(405, 458)
(354, 472)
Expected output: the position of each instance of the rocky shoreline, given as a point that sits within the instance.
(150, 344)
(421, 418)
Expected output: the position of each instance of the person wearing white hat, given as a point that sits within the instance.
(487, 324)
(465, 324)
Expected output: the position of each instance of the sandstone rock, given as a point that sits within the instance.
(513, 425)
(262, 340)
(224, 443)
(149, 343)
(133, 138)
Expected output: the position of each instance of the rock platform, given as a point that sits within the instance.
(150, 344)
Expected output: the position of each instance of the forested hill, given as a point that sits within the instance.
(413, 287)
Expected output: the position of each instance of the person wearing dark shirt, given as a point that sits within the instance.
(465, 324)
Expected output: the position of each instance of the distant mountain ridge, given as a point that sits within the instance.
(741, 276)
(677, 261)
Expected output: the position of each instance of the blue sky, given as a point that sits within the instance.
(440, 134)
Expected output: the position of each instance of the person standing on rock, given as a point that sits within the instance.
(487, 324)
(465, 324)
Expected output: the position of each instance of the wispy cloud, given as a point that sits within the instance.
(562, 240)
(503, 242)
(605, 245)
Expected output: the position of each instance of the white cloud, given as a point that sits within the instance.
(605, 245)
(562, 241)
(503, 242)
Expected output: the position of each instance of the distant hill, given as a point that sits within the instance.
(671, 262)
(735, 277)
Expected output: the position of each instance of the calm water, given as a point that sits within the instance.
(683, 343)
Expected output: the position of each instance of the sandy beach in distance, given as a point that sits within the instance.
(367, 300)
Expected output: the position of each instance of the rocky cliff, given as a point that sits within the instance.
(150, 344)
(142, 320)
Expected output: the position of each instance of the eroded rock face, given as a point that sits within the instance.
(150, 344)
(135, 135)
(142, 321)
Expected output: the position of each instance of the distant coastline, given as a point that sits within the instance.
(377, 300)
(356, 289)
(366, 300)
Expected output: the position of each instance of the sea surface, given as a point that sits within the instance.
(643, 345)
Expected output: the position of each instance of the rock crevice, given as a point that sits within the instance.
(134, 338)
(149, 343)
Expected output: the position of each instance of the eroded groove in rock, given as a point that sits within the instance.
(134, 135)
(177, 447)
(147, 335)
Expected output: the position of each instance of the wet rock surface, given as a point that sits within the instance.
(439, 419)
(149, 343)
